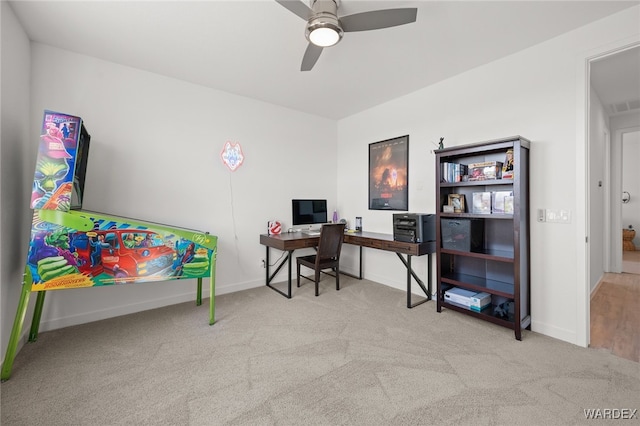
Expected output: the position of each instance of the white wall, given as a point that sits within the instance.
(155, 155)
(15, 178)
(537, 93)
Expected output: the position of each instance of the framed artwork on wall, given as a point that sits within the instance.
(389, 174)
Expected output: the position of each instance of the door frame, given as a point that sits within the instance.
(608, 190)
(583, 251)
(616, 223)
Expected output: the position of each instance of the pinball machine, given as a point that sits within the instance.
(72, 248)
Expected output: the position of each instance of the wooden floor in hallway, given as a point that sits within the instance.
(631, 262)
(615, 315)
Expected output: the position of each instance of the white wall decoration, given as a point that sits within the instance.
(232, 155)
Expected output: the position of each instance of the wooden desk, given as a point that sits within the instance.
(289, 242)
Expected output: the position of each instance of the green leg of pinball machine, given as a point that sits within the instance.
(37, 314)
(212, 289)
(17, 326)
(199, 295)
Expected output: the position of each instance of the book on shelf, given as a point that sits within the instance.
(452, 172)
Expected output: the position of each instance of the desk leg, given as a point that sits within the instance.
(269, 277)
(410, 274)
(289, 281)
(266, 267)
(429, 280)
(408, 265)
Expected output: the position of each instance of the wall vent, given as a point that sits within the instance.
(626, 106)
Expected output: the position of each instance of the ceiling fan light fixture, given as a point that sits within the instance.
(324, 37)
(324, 31)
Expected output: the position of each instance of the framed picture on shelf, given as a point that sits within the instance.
(457, 202)
(389, 174)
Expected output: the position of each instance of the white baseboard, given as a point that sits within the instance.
(232, 288)
(563, 334)
(115, 311)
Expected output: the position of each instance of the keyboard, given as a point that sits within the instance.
(311, 232)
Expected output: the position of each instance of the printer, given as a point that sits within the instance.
(414, 227)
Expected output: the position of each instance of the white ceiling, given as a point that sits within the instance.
(616, 80)
(254, 48)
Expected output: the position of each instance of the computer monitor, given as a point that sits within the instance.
(309, 212)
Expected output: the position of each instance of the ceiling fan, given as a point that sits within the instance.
(325, 29)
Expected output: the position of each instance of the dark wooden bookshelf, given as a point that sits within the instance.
(500, 266)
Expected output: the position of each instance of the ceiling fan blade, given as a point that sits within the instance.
(378, 19)
(310, 57)
(297, 7)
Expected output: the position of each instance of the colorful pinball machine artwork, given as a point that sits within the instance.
(71, 248)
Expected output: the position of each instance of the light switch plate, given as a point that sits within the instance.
(558, 215)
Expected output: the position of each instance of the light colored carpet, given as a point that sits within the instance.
(357, 356)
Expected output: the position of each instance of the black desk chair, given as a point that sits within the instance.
(327, 256)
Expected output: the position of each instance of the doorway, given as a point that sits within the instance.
(614, 153)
